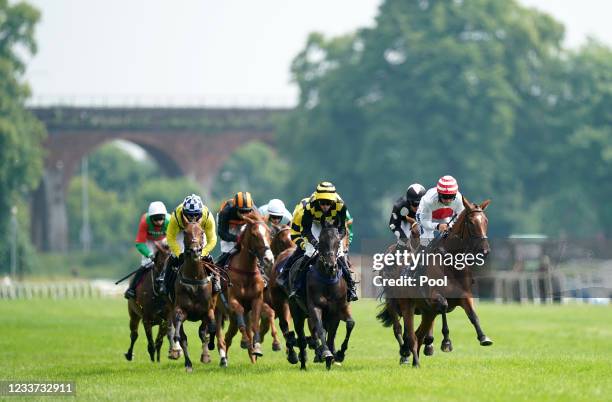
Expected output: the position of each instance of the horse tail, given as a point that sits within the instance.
(385, 316)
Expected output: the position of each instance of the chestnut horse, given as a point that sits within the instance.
(150, 306)
(468, 234)
(194, 299)
(246, 293)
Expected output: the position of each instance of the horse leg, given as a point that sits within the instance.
(409, 335)
(150, 344)
(220, 339)
(468, 306)
(331, 337)
(298, 324)
(174, 349)
(205, 356)
(134, 321)
(271, 315)
(290, 341)
(181, 338)
(159, 340)
(231, 332)
(427, 320)
(256, 308)
(447, 345)
(212, 328)
(428, 340)
(350, 324)
(320, 333)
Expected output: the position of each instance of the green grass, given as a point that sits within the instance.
(540, 353)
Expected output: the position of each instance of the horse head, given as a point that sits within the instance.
(256, 239)
(161, 255)
(329, 243)
(192, 240)
(471, 228)
(281, 239)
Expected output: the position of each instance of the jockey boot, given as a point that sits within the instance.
(298, 279)
(216, 284)
(130, 292)
(351, 291)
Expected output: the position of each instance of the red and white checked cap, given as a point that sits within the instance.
(447, 185)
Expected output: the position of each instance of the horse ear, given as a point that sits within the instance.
(466, 203)
(485, 204)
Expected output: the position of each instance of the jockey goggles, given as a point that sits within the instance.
(156, 218)
(193, 217)
(276, 217)
(447, 196)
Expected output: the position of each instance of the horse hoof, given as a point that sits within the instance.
(428, 350)
(446, 347)
(276, 347)
(189, 369)
(223, 362)
(339, 357)
(327, 354)
(404, 360)
(244, 344)
(328, 361)
(257, 350)
(292, 357)
(205, 359)
(174, 354)
(128, 356)
(485, 341)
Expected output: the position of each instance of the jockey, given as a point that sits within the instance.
(405, 206)
(230, 222)
(438, 208)
(192, 209)
(275, 212)
(152, 227)
(324, 205)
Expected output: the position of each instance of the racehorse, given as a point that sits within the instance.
(326, 302)
(246, 293)
(281, 240)
(467, 235)
(283, 244)
(149, 306)
(194, 299)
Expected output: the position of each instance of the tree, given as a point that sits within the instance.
(21, 156)
(434, 88)
(256, 168)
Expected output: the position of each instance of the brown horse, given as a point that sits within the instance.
(278, 295)
(281, 241)
(246, 293)
(149, 306)
(467, 235)
(193, 300)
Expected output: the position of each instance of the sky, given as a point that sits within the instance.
(209, 52)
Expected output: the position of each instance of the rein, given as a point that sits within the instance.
(190, 281)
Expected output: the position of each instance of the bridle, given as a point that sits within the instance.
(467, 226)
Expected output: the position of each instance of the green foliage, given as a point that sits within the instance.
(113, 169)
(168, 190)
(113, 222)
(254, 167)
(21, 155)
(479, 89)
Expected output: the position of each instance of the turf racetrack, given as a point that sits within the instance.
(539, 353)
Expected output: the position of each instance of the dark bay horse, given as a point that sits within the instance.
(194, 300)
(149, 306)
(326, 302)
(246, 295)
